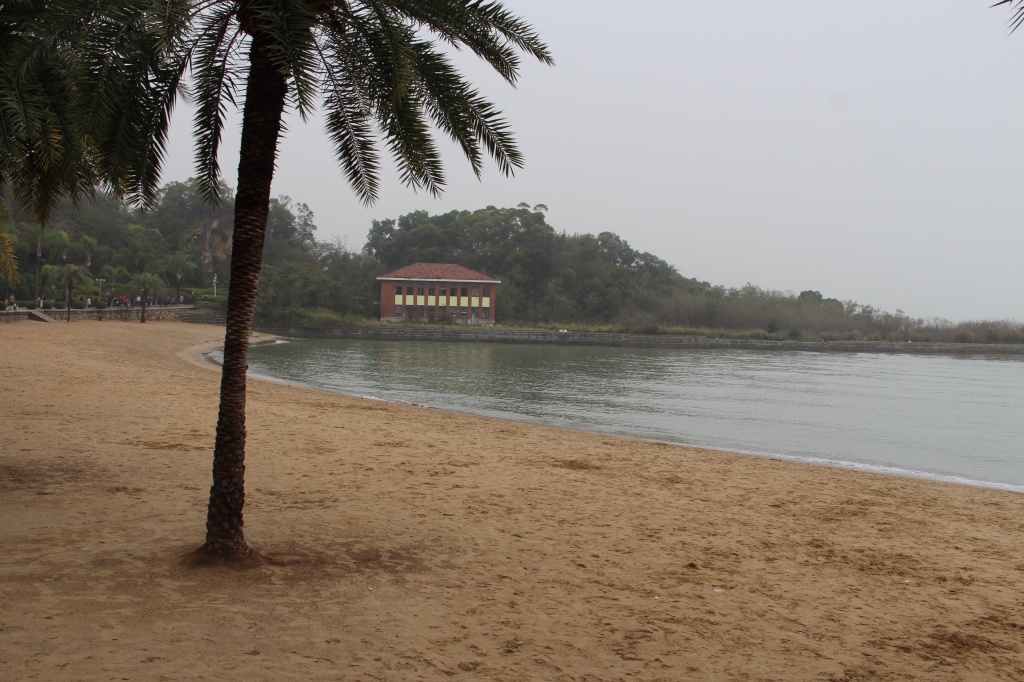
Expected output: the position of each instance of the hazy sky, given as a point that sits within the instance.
(869, 149)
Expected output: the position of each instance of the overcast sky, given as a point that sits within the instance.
(872, 150)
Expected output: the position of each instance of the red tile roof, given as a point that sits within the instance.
(445, 271)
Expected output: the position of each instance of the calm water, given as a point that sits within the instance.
(944, 417)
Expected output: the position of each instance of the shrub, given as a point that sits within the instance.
(28, 306)
(48, 304)
(321, 319)
(99, 305)
(962, 335)
(795, 334)
(78, 305)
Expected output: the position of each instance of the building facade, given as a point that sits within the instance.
(430, 292)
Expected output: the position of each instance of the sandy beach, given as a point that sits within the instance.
(406, 543)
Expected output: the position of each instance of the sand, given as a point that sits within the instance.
(407, 543)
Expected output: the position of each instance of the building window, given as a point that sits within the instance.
(430, 291)
(464, 313)
(398, 311)
(487, 292)
(444, 291)
(419, 291)
(465, 291)
(485, 314)
(476, 291)
(398, 290)
(408, 291)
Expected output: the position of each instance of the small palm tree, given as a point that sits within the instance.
(113, 273)
(148, 283)
(72, 277)
(88, 245)
(60, 242)
(178, 265)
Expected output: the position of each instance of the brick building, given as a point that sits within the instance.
(438, 291)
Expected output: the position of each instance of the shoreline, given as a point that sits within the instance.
(812, 460)
(498, 335)
(405, 543)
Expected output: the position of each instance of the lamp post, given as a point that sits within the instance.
(100, 281)
(215, 286)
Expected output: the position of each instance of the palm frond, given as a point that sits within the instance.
(217, 66)
(289, 24)
(1017, 12)
(8, 259)
(348, 125)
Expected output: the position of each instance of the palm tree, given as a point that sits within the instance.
(88, 245)
(147, 283)
(179, 265)
(60, 242)
(112, 273)
(376, 67)
(71, 277)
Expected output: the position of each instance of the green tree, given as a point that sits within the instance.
(148, 284)
(59, 243)
(113, 273)
(73, 277)
(371, 63)
(177, 265)
(88, 246)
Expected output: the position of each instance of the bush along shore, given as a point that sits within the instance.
(441, 332)
(578, 338)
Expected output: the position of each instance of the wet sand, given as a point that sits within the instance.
(404, 543)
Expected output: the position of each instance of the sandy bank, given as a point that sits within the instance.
(417, 544)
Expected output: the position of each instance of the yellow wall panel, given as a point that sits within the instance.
(420, 300)
(398, 299)
(486, 302)
(431, 301)
(474, 302)
(464, 301)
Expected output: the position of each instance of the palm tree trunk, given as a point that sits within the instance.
(142, 315)
(261, 125)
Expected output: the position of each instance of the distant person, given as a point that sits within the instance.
(14, 302)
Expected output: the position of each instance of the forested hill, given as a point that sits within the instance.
(548, 277)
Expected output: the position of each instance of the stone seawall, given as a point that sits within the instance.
(153, 314)
(491, 335)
